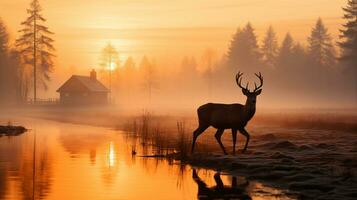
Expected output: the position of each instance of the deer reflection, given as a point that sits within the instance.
(220, 191)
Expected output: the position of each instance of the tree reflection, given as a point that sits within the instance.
(17, 152)
(2, 182)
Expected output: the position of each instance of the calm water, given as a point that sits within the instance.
(86, 162)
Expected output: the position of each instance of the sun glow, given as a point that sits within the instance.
(111, 155)
(112, 66)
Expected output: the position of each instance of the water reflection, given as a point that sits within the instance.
(17, 168)
(220, 191)
(111, 155)
(82, 162)
(110, 166)
(2, 183)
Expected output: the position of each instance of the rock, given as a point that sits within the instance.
(12, 130)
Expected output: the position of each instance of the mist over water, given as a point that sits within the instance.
(76, 162)
(178, 99)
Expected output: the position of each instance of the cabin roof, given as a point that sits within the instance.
(87, 84)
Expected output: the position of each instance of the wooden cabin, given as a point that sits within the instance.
(83, 90)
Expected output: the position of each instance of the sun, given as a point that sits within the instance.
(112, 66)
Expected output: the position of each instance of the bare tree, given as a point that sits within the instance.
(149, 76)
(109, 59)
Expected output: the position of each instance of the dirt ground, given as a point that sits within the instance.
(315, 164)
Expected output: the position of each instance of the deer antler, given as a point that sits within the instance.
(261, 81)
(239, 81)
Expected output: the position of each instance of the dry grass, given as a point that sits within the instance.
(322, 121)
(161, 140)
(183, 142)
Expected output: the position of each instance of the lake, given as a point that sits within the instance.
(69, 161)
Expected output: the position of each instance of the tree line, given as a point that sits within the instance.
(318, 67)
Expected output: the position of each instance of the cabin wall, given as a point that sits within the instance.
(80, 98)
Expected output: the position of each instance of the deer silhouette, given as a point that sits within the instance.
(229, 116)
(220, 191)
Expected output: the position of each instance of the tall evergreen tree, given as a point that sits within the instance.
(36, 46)
(321, 49)
(21, 76)
(349, 41)
(270, 48)
(244, 53)
(349, 35)
(208, 62)
(4, 48)
(4, 40)
(285, 52)
(149, 77)
(12, 78)
(129, 66)
(126, 86)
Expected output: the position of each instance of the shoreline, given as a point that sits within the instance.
(305, 162)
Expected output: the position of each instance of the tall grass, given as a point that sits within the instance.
(183, 142)
(161, 140)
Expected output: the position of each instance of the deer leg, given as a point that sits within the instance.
(198, 180)
(218, 180)
(246, 134)
(234, 136)
(234, 182)
(218, 136)
(196, 133)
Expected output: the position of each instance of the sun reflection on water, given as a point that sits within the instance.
(111, 154)
(59, 174)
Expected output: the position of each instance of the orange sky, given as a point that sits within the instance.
(167, 30)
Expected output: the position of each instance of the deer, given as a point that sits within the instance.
(229, 116)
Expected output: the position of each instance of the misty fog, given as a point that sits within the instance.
(297, 74)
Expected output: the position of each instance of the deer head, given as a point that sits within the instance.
(251, 96)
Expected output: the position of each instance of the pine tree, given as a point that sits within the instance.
(129, 71)
(4, 48)
(21, 76)
(244, 53)
(129, 66)
(349, 35)
(285, 52)
(270, 47)
(127, 79)
(208, 62)
(36, 46)
(321, 49)
(149, 77)
(4, 40)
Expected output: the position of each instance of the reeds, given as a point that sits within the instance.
(161, 140)
(183, 142)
